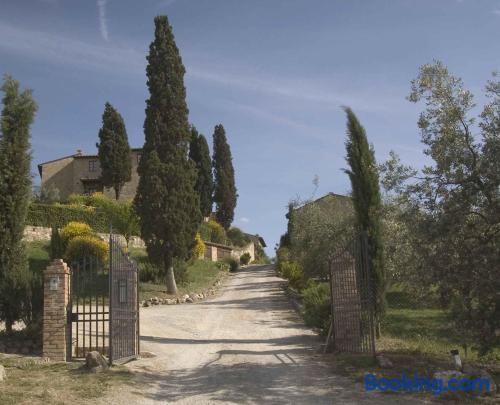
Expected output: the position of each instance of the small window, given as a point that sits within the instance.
(92, 165)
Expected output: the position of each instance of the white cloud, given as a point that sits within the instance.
(61, 49)
(103, 21)
(245, 220)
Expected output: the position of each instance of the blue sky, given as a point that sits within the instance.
(274, 72)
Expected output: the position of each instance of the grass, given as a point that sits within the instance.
(32, 381)
(428, 332)
(200, 275)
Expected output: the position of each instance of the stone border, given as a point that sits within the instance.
(185, 298)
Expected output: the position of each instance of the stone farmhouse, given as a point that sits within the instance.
(80, 174)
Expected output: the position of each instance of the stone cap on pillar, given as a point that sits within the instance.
(58, 266)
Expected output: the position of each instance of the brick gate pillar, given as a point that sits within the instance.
(56, 333)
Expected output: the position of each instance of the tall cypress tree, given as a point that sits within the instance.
(367, 202)
(15, 189)
(114, 150)
(166, 201)
(225, 195)
(199, 153)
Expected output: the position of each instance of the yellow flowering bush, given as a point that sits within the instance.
(75, 229)
(199, 247)
(87, 245)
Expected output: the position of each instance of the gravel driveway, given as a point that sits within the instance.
(245, 346)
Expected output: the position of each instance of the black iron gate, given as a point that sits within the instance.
(124, 304)
(103, 309)
(352, 327)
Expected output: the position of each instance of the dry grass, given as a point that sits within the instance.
(33, 381)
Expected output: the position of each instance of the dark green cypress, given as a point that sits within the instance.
(367, 202)
(199, 153)
(225, 194)
(15, 190)
(114, 150)
(166, 201)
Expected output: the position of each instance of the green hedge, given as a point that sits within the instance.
(59, 215)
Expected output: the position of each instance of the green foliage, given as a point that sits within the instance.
(15, 192)
(166, 201)
(450, 213)
(199, 153)
(363, 173)
(60, 214)
(245, 258)
(56, 244)
(225, 194)
(212, 231)
(282, 257)
(38, 260)
(294, 274)
(114, 150)
(316, 306)
(86, 245)
(237, 237)
(260, 255)
(318, 228)
(48, 195)
(233, 264)
(73, 230)
(120, 215)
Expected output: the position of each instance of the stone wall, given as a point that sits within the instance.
(36, 233)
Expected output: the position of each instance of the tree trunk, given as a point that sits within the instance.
(171, 285)
(8, 325)
(117, 193)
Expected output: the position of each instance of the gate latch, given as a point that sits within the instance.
(72, 317)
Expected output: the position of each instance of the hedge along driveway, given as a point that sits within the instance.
(49, 215)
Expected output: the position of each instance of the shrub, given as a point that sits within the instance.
(148, 272)
(221, 265)
(237, 237)
(212, 231)
(245, 258)
(87, 245)
(199, 247)
(59, 215)
(232, 263)
(294, 274)
(56, 247)
(180, 271)
(75, 229)
(282, 256)
(316, 306)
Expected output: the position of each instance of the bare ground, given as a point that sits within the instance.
(245, 346)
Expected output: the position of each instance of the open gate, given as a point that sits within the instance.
(104, 306)
(352, 320)
(124, 305)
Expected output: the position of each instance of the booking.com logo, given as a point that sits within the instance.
(422, 384)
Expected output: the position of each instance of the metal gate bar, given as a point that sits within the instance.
(352, 328)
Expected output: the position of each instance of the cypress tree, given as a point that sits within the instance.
(199, 153)
(225, 195)
(166, 201)
(114, 150)
(15, 190)
(367, 202)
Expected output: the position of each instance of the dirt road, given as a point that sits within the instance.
(245, 346)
